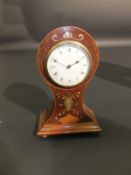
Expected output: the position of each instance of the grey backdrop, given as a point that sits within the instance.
(23, 94)
(29, 20)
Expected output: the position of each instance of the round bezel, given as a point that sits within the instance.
(73, 43)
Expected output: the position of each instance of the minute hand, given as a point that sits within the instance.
(59, 63)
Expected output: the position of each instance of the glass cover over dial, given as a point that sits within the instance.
(68, 64)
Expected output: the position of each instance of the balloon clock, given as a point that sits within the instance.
(67, 60)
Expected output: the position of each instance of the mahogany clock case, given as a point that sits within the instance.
(67, 114)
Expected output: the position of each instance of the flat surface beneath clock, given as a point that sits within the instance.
(23, 95)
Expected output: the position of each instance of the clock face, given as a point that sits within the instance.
(68, 64)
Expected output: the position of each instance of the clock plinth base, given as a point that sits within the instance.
(46, 129)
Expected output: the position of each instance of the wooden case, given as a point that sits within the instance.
(67, 113)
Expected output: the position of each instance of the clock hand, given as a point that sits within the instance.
(70, 65)
(78, 61)
(59, 63)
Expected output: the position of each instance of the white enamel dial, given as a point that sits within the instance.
(68, 64)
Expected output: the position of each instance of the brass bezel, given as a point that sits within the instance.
(73, 43)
